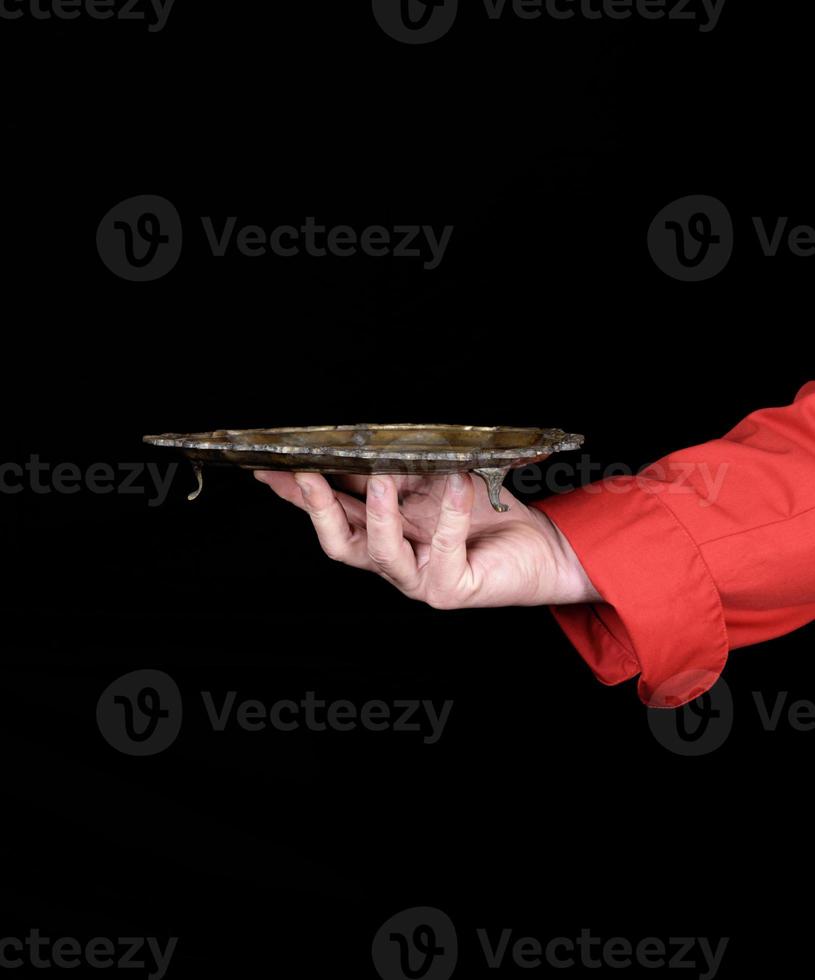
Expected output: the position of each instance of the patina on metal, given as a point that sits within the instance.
(428, 450)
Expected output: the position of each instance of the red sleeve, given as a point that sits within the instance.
(709, 549)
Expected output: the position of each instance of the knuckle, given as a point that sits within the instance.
(335, 548)
(453, 511)
(444, 542)
(334, 553)
(378, 518)
(380, 557)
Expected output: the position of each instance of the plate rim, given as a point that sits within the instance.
(556, 440)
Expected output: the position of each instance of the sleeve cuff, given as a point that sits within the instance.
(662, 617)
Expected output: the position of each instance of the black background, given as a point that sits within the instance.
(547, 806)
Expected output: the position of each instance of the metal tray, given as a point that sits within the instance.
(364, 449)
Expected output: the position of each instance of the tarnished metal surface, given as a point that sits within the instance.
(369, 448)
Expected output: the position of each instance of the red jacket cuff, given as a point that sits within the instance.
(662, 617)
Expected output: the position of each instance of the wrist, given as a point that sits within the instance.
(571, 584)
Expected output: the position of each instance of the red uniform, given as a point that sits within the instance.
(710, 549)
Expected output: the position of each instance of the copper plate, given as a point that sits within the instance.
(409, 449)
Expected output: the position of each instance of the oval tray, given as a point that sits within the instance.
(489, 451)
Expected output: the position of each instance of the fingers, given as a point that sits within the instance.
(447, 571)
(286, 487)
(391, 554)
(329, 519)
(283, 485)
(443, 578)
(358, 484)
(337, 539)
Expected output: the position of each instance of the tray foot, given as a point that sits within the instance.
(494, 478)
(198, 470)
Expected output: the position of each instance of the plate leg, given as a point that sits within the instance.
(494, 478)
(198, 469)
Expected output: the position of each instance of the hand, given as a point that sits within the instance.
(438, 539)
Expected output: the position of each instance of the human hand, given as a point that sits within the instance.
(439, 540)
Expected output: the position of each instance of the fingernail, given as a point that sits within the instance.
(304, 485)
(456, 481)
(377, 487)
